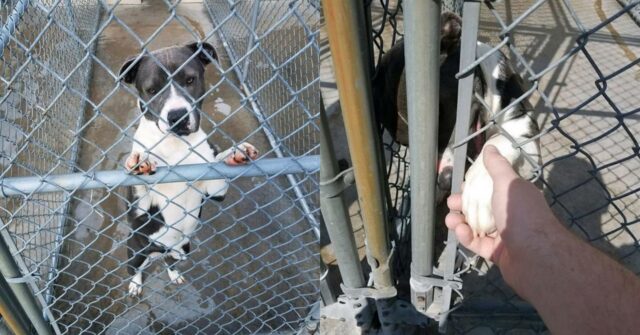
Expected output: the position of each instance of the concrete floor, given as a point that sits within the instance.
(577, 193)
(254, 265)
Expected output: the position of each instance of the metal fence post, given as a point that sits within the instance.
(334, 211)
(422, 59)
(345, 26)
(470, 22)
(10, 271)
(12, 314)
(252, 41)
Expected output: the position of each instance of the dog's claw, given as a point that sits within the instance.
(137, 166)
(245, 153)
(179, 280)
(135, 289)
(176, 277)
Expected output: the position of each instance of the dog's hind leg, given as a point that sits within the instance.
(172, 259)
(135, 265)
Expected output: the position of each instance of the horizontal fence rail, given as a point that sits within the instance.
(182, 173)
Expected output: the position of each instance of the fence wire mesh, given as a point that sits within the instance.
(579, 61)
(252, 266)
(263, 37)
(388, 29)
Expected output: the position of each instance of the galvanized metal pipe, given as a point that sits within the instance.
(422, 67)
(470, 23)
(347, 40)
(101, 179)
(335, 213)
(9, 270)
(11, 312)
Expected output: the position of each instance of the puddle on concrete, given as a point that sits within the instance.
(88, 215)
(222, 108)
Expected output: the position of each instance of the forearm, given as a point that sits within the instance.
(575, 288)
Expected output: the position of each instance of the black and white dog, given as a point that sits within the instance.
(496, 84)
(164, 216)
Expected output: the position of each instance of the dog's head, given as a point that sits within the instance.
(450, 32)
(170, 83)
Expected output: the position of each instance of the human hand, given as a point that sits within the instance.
(522, 216)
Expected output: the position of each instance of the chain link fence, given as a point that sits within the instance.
(262, 37)
(387, 30)
(579, 62)
(67, 126)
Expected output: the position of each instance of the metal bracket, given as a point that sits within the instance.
(420, 283)
(335, 186)
(425, 291)
(370, 292)
(355, 312)
(30, 278)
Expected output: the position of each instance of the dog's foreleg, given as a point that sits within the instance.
(174, 256)
(216, 189)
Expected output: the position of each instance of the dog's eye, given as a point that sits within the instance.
(190, 80)
(152, 91)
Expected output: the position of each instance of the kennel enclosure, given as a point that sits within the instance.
(577, 60)
(66, 126)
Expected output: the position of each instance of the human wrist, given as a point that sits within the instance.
(520, 253)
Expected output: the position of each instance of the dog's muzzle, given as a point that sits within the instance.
(179, 121)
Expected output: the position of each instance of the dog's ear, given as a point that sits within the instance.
(450, 32)
(206, 54)
(130, 70)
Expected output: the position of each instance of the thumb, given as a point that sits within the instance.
(498, 167)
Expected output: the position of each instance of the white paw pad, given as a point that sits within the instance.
(135, 286)
(476, 200)
(176, 277)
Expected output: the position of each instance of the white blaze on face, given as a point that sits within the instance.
(174, 102)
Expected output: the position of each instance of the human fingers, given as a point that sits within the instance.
(452, 220)
(454, 202)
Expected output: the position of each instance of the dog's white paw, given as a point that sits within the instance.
(178, 255)
(176, 277)
(135, 286)
(138, 163)
(476, 199)
(242, 154)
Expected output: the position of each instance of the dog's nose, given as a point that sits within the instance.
(177, 116)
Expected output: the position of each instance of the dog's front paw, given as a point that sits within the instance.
(135, 287)
(242, 154)
(476, 199)
(137, 164)
(176, 277)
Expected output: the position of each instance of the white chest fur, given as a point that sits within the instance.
(179, 203)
